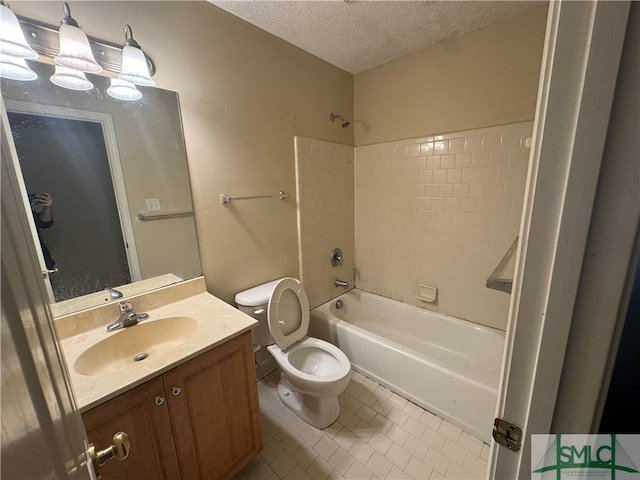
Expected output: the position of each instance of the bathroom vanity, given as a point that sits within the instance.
(190, 408)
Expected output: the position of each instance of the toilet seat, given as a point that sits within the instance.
(340, 369)
(288, 313)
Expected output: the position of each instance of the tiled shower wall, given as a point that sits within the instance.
(325, 187)
(440, 211)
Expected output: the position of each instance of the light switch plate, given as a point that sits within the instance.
(153, 204)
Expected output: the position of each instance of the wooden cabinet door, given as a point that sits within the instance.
(215, 415)
(148, 425)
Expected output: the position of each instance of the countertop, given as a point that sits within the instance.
(217, 322)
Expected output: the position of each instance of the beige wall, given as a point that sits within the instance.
(324, 174)
(244, 95)
(441, 211)
(479, 79)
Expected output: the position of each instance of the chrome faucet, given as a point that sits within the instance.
(127, 317)
(341, 283)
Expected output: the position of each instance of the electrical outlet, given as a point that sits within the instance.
(153, 204)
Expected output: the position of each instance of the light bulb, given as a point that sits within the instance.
(75, 51)
(12, 41)
(123, 90)
(15, 68)
(134, 63)
(70, 78)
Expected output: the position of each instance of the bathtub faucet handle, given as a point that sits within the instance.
(341, 283)
(336, 257)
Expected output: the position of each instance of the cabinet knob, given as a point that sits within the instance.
(159, 400)
(175, 391)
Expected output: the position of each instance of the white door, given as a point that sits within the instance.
(42, 431)
(39, 416)
(9, 153)
(580, 64)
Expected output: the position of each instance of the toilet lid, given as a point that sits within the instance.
(288, 313)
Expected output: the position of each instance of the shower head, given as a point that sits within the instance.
(343, 121)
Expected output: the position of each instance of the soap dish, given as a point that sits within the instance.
(427, 293)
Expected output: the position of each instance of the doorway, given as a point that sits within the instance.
(624, 396)
(68, 159)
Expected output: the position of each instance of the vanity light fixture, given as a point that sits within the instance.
(70, 78)
(12, 41)
(14, 47)
(123, 90)
(75, 51)
(15, 68)
(134, 63)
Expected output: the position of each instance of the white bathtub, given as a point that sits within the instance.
(448, 366)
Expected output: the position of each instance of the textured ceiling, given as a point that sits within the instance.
(362, 34)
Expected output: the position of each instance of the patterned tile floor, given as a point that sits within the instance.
(378, 435)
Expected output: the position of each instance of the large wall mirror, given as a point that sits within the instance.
(115, 173)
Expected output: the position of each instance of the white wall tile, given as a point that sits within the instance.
(491, 140)
(441, 147)
(433, 162)
(459, 194)
(456, 145)
(426, 148)
(448, 161)
(326, 179)
(473, 144)
(406, 212)
(464, 160)
(454, 175)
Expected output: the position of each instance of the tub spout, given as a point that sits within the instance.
(341, 283)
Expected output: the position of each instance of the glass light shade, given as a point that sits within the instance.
(12, 41)
(75, 51)
(70, 78)
(123, 90)
(134, 67)
(15, 68)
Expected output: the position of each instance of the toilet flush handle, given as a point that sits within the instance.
(259, 311)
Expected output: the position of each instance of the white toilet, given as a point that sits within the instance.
(314, 372)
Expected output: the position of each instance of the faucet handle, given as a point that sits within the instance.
(113, 293)
(125, 307)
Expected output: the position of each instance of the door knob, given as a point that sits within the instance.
(119, 450)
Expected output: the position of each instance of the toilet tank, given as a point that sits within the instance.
(254, 302)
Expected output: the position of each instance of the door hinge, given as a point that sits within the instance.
(507, 434)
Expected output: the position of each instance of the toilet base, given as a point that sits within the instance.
(319, 412)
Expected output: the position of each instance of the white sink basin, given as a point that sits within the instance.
(133, 345)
